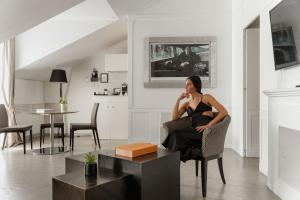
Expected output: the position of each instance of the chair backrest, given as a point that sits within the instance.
(94, 114)
(3, 116)
(214, 138)
(57, 118)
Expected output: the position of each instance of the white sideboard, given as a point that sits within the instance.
(112, 120)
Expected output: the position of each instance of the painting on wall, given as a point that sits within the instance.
(170, 60)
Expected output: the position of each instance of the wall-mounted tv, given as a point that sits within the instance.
(285, 26)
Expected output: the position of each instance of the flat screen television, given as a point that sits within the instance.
(285, 26)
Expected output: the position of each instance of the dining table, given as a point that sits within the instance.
(52, 149)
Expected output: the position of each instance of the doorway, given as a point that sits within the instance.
(251, 86)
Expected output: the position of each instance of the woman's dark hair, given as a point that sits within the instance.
(196, 82)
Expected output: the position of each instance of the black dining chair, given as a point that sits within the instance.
(86, 126)
(59, 124)
(5, 128)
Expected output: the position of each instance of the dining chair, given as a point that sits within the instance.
(58, 123)
(5, 128)
(86, 126)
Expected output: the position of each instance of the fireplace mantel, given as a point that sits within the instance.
(283, 92)
(283, 122)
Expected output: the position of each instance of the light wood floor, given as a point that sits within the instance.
(28, 177)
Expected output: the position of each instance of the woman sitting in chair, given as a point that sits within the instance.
(199, 109)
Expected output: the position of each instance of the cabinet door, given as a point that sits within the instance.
(119, 120)
(103, 120)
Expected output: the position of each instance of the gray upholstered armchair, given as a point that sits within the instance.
(212, 145)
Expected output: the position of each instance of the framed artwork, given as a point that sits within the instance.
(170, 60)
(104, 77)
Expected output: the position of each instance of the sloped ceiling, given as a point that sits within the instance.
(17, 16)
(87, 46)
(126, 7)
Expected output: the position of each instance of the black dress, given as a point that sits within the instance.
(188, 141)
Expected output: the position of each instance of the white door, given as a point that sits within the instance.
(252, 92)
(119, 120)
(103, 120)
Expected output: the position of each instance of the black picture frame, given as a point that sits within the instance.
(104, 77)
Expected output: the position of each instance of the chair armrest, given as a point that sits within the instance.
(214, 138)
(177, 124)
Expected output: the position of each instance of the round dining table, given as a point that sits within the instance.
(52, 149)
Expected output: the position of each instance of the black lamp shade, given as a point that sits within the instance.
(58, 75)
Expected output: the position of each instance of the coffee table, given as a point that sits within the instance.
(154, 176)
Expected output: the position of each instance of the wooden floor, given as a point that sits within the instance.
(28, 177)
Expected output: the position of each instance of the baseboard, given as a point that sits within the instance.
(252, 154)
(238, 151)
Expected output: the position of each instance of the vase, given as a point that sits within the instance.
(91, 169)
(63, 107)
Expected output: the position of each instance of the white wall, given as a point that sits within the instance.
(29, 92)
(175, 18)
(80, 94)
(244, 12)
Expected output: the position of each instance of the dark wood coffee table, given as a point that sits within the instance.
(76, 186)
(151, 177)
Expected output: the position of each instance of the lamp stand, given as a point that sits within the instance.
(60, 90)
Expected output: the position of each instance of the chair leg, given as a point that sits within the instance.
(72, 136)
(24, 142)
(70, 139)
(58, 132)
(94, 136)
(4, 140)
(96, 131)
(204, 176)
(41, 135)
(63, 136)
(31, 138)
(197, 166)
(220, 163)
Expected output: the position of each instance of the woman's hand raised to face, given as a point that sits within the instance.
(182, 96)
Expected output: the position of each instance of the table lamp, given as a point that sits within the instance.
(59, 75)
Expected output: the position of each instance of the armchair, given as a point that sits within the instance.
(213, 140)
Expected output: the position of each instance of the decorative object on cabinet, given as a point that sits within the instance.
(94, 75)
(169, 60)
(116, 91)
(124, 88)
(104, 77)
(59, 75)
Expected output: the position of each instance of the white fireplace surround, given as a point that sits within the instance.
(283, 134)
